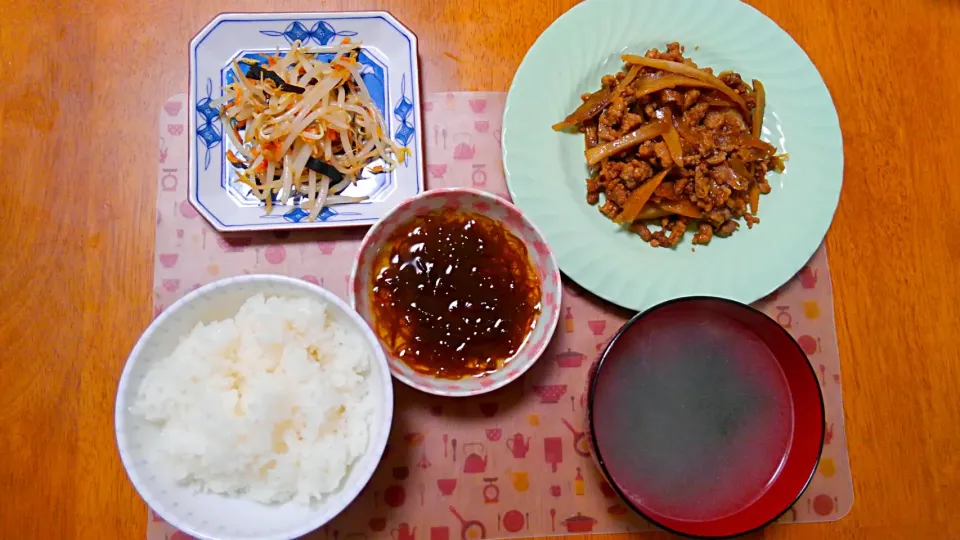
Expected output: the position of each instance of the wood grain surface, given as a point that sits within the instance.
(82, 84)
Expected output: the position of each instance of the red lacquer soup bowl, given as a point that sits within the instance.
(706, 417)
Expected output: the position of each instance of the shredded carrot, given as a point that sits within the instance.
(272, 150)
(345, 40)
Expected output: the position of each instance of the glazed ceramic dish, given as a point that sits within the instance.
(546, 172)
(468, 200)
(390, 71)
(706, 417)
(209, 515)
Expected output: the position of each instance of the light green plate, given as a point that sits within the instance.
(546, 170)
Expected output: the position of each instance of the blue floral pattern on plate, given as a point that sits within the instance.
(390, 71)
(403, 111)
(208, 125)
(321, 33)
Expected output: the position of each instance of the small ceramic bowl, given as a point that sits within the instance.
(208, 515)
(706, 417)
(483, 203)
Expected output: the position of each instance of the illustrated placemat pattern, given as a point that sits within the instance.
(510, 464)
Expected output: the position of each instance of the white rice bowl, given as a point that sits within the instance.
(279, 427)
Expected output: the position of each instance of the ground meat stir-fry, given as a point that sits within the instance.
(675, 146)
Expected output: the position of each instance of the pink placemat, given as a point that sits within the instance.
(510, 464)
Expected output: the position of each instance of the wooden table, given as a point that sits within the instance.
(82, 85)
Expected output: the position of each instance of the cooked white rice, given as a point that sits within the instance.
(271, 405)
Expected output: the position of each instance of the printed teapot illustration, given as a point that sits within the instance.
(474, 463)
(465, 149)
(518, 446)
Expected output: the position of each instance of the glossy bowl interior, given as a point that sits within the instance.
(706, 417)
(208, 515)
(470, 200)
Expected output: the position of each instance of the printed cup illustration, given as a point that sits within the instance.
(447, 485)
(168, 260)
(550, 393)
(478, 105)
(437, 170)
(597, 327)
(172, 107)
(521, 480)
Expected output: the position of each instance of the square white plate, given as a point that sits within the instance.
(391, 73)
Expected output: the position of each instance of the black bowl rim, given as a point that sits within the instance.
(591, 392)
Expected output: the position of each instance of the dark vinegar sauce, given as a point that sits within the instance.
(455, 294)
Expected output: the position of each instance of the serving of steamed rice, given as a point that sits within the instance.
(274, 404)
